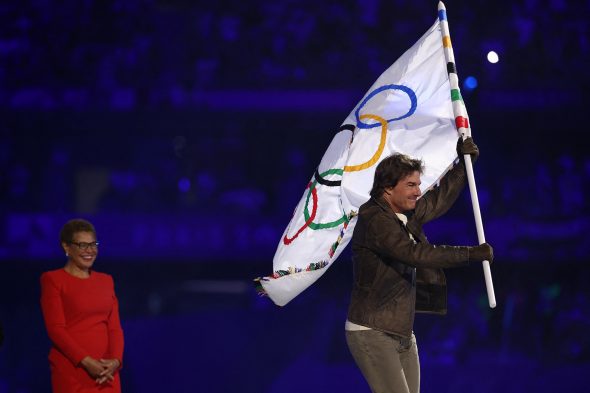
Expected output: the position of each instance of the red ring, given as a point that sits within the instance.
(314, 195)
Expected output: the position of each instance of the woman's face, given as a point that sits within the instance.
(82, 250)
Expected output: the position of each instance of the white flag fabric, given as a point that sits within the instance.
(407, 110)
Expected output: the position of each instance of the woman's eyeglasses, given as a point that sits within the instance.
(84, 246)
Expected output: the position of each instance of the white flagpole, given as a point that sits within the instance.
(479, 225)
(462, 122)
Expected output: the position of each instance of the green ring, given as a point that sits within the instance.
(326, 225)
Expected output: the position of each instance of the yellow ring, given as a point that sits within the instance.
(379, 151)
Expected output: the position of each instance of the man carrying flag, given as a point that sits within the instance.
(397, 272)
(399, 142)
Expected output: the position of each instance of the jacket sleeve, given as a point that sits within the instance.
(438, 200)
(55, 321)
(116, 341)
(388, 238)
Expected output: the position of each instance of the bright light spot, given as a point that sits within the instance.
(493, 57)
(470, 83)
(184, 184)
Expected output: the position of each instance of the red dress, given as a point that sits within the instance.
(82, 319)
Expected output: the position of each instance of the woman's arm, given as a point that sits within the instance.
(55, 322)
(116, 340)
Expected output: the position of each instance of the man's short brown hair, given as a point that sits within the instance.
(392, 169)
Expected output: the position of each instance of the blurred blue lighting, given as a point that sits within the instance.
(184, 184)
(470, 83)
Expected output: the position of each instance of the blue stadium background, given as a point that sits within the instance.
(187, 131)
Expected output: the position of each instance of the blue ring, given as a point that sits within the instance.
(403, 88)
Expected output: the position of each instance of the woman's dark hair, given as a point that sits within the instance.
(392, 169)
(66, 235)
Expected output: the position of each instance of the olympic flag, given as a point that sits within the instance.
(409, 109)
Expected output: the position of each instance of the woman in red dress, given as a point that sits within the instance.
(81, 314)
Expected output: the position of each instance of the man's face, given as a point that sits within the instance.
(403, 196)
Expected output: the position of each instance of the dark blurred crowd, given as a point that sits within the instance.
(540, 315)
(128, 54)
(229, 170)
(224, 170)
(95, 117)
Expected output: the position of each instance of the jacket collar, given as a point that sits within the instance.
(383, 205)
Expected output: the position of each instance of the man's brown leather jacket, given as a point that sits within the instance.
(395, 277)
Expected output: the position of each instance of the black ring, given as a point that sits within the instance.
(324, 182)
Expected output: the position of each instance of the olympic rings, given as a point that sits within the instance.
(320, 178)
(312, 224)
